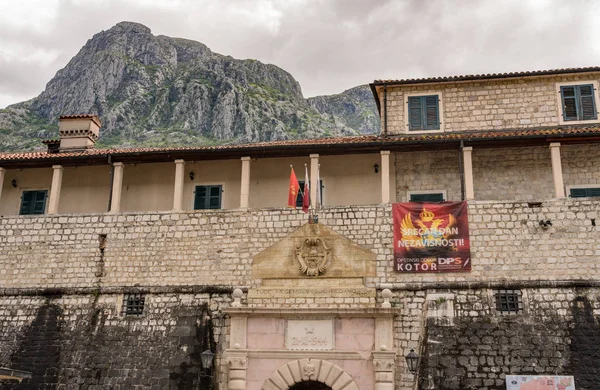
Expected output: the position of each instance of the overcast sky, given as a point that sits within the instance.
(327, 45)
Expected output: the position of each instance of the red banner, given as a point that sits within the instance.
(431, 237)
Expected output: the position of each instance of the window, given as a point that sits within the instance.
(423, 112)
(33, 202)
(300, 197)
(508, 301)
(207, 197)
(426, 196)
(578, 102)
(584, 192)
(133, 304)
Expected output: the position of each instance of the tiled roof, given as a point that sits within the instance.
(354, 142)
(488, 76)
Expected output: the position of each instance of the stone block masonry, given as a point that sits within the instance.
(84, 341)
(62, 279)
(487, 105)
(216, 248)
(557, 333)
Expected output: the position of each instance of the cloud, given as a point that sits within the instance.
(328, 46)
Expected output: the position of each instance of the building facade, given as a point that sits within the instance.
(120, 267)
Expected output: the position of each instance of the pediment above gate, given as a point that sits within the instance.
(314, 251)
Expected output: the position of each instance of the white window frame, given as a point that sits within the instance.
(559, 103)
(576, 186)
(195, 184)
(443, 192)
(440, 111)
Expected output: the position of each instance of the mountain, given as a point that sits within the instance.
(156, 91)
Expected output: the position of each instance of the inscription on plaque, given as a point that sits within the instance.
(309, 334)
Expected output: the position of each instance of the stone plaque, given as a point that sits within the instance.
(308, 334)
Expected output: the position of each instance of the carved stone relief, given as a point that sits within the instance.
(313, 256)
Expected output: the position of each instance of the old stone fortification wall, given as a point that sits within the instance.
(556, 334)
(490, 105)
(76, 341)
(216, 248)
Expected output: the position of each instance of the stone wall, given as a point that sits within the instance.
(61, 282)
(487, 105)
(523, 174)
(216, 247)
(580, 164)
(517, 173)
(556, 334)
(428, 171)
(84, 341)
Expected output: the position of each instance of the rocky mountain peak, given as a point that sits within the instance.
(158, 90)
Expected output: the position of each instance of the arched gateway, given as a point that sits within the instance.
(310, 374)
(312, 323)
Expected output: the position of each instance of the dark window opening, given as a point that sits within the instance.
(432, 198)
(207, 197)
(584, 192)
(33, 202)
(508, 301)
(300, 197)
(133, 304)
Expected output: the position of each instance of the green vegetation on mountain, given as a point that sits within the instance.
(159, 91)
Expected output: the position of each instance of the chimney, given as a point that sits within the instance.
(78, 132)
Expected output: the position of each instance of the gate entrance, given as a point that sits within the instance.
(310, 385)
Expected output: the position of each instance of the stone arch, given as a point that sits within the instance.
(316, 370)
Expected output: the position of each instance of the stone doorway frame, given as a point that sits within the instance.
(301, 370)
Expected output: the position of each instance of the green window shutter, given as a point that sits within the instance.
(584, 192)
(33, 202)
(433, 198)
(207, 197)
(423, 112)
(300, 197)
(415, 116)
(432, 117)
(569, 100)
(587, 108)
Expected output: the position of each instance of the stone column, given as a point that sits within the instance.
(245, 184)
(385, 176)
(384, 363)
(2, 174)
(237, 361)
(57, 175)
(314, 178)
(117, 185)
(559, 187)
(468, 172)
(178, 189)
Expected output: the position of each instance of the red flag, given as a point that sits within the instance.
(306, 198)
(293, 190)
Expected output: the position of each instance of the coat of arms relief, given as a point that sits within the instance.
(313, 256)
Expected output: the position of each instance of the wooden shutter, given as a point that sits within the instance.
(33, 202)
(415, 117)
(587, 108)
(569, 100)
(300, 198)
(436, 197)
(584, 192)
(431, 112)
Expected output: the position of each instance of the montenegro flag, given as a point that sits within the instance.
(293, 190)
